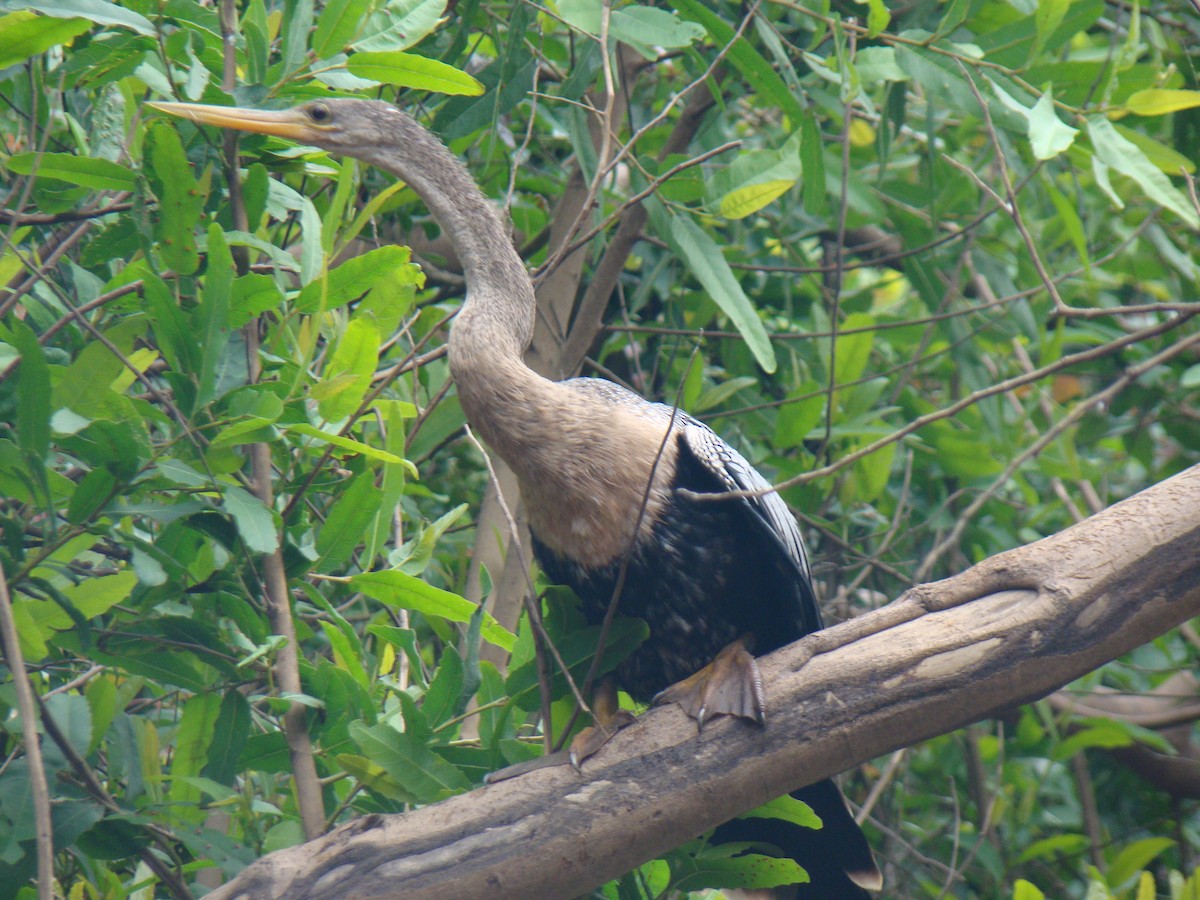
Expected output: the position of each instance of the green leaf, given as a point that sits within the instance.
(180, 199)
(352, 445)
(760, 74)
(375, 777)
(403, 591)
(213, 314)
(410, 762)
(197, 722)
(98, 595)
(413, 71)
(1103, 734)
(1168, 160)
(382, 267)
(748, 871)
(1135, 857)
(347, 378)
(1048, 136)
(176, 339)
(787, 809)
(336, 26)
(742, 202)
(853, 351)
(345, 654)
(577, 649)
(706, 261)
(253, 294)
(24, 34)
(401, 24)
(93, 492)
(644, 26)
(878, 17)
(1116, 151)
(1048, 18)
(1023, 890)
(33, 393)
(228, 738)
(255, 523)
(445, 689)
(345, 527)
(99, 11)
(100, 174)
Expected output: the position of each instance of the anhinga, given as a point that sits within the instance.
(604, 485)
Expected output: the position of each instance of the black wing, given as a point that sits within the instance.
(766, 511)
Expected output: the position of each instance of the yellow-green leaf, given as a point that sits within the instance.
(1160, 101)
(410, 70)
(743, 201)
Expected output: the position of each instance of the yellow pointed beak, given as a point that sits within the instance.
(288, 123)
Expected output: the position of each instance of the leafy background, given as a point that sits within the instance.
(224, 386)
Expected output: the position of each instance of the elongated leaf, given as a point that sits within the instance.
(337, 26)
(445, 689)
(196, 725)
(646, 26)
(213, 315)
(1160, 101)
(180, 200)
(228, 738)
(24, 34)
(348, 520)
(401, 24)
(403, 591)
(787, 809)
(1134, 858)
(255, 523)
(750, 199)
(577, 649)
(33, 393)
(347, 378)
(410, 762)
(100, 174)
(758, 72)
(410, 70)
(1116, 151)
(352, 445)
(750, 870)
(102, 12)
(706, 261)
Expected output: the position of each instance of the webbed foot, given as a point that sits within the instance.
(730, 685)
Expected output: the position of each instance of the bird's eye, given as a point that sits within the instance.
(320, 113)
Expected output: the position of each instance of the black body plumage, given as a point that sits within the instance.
(706, 573)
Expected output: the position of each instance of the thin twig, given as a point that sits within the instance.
(10, 643)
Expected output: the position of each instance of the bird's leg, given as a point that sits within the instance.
(607, 717)
(730, 685)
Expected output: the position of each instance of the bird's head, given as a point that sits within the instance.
(341, 125)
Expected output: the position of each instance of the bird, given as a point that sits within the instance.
(611, 483)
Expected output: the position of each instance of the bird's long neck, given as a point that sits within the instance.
(500, 395)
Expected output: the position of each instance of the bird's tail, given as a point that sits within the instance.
(836, 856)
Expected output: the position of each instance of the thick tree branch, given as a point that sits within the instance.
(1008, 630)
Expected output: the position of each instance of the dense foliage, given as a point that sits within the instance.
(930, 267)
